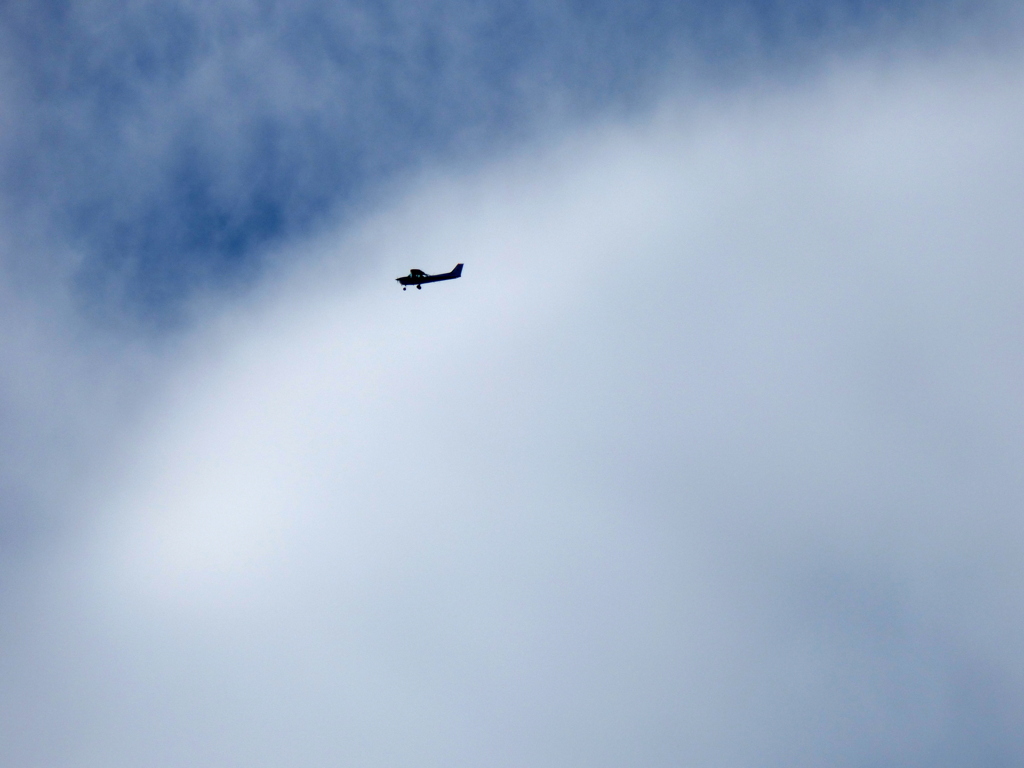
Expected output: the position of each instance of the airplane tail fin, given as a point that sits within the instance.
(457, 272)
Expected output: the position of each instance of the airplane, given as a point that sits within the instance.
(417, 277)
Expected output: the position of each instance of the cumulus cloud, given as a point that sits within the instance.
(710, 458)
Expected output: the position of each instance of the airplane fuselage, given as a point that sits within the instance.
(418, 277)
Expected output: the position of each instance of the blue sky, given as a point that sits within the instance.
(172, 144)
(712, 457)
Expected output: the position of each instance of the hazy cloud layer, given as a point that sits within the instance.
(171, 143)
(712, 458)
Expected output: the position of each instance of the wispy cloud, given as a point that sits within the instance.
(172, 143)
(711, 458)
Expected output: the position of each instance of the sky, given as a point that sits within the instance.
(712, 457)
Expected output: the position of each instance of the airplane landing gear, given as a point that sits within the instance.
(403, 287)
(419, 287)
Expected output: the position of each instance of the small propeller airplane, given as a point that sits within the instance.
(417, 277)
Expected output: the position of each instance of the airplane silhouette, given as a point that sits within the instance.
(417, 277)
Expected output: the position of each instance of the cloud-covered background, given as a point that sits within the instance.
(172, 144)
(712, 457)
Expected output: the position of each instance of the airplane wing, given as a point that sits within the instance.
(417, 273)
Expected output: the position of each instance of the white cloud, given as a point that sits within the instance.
(711, 458)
